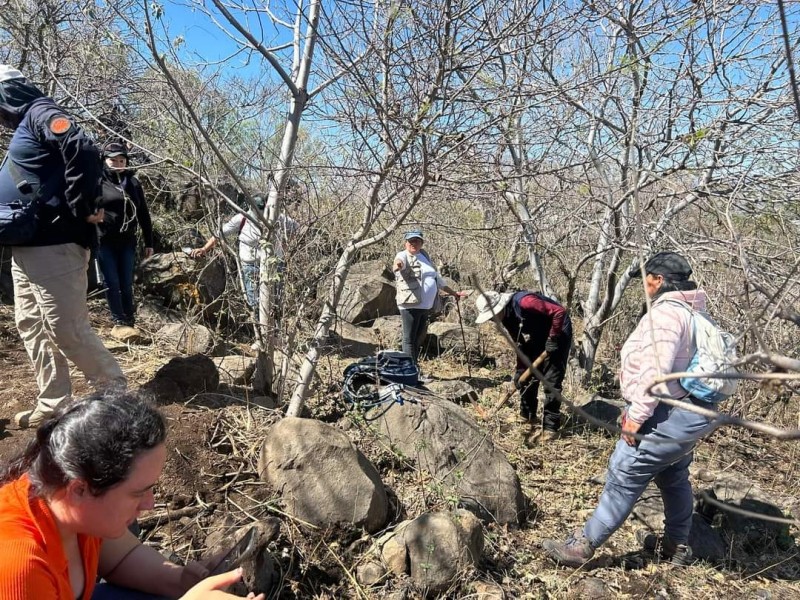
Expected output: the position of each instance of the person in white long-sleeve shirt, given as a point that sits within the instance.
(249, 252)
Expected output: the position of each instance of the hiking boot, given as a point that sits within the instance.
(574, 552)
(664, 548)
(30, 418)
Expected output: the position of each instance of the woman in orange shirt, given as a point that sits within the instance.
(67, 501)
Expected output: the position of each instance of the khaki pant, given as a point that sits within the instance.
(53, 321)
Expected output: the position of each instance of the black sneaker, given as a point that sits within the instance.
(664, 548)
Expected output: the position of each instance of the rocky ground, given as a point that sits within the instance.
(211, 486)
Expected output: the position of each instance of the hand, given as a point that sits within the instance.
(399, 265)
(459, 295)
(148, 252)
(197, 252)
(96, 217)
(629, 426)
(551, 345)
(211, 588)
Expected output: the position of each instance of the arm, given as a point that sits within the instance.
(143, 216)
(231, 226)
(126, 562)
(400, 262)
(451, 291)
(82, 163)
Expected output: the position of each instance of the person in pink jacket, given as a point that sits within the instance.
(661, 343)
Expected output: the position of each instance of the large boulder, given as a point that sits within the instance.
(751, 535)
(182, 281)
(449, 337)
(321, 476)
(368, 293)
(449, 444)
(434, 549)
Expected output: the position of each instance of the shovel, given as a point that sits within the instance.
(526, 374)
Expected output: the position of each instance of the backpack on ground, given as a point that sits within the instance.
(373, 379)
(715, 353)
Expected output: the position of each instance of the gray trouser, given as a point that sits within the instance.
(415, 326)
(53, 321)
(631, 468)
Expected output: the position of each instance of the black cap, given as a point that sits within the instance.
(670, 265)
(115, 149)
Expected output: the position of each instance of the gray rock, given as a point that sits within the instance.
(440, 546)
(353, 341)
(235, 369)
(184, 338)
(483, 590)
(590, 588)
(750, 534)
(370, 573)
(368, 293)
(321, 476)
(129, 335)
(607, 410)
(388, 331)
(260, 574)
(453, 390)
(446, 337)
(448, 443)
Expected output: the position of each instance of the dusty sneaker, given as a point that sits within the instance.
(664, 548)
(574, 552)
(30, 418)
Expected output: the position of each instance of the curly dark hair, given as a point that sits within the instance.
(95, 439)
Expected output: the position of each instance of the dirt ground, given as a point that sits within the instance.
(211, 482)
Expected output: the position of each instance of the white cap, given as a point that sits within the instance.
(489, 304)
(8, 72)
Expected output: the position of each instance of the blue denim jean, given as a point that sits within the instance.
(106, 591)
(415, 326)
(117, 263)
(656, 458)
(250, 280)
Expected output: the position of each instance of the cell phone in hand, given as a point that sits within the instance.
(242, 550)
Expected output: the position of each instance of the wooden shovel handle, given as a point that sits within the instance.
(522, 379)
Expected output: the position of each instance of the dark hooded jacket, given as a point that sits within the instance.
(125, 209)
(50, 156)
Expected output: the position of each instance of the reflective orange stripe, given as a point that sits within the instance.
(60, 125)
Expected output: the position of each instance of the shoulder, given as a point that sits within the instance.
(27, 572)
(51, 119)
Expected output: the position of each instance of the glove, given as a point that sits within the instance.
(517, 375)
(551, 345)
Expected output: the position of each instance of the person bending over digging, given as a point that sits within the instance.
(538, 325)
